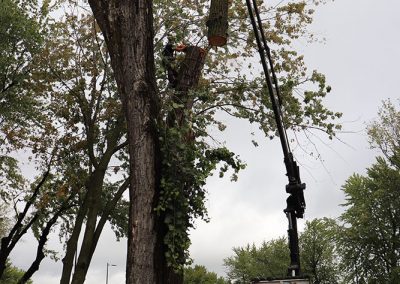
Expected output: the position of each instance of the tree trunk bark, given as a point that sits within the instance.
(4, 253)
(94, 188)
(190, 69)
(128, 30)
(188, 77)
(88, 248)
(72, 245)
(218, 23)
(40, 255)
(18, 230)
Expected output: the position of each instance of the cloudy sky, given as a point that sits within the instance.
(360, 59)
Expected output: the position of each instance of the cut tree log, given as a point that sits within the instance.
(188, 77)
(218, 23)
(190, 69)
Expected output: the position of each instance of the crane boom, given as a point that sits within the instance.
(295, 202)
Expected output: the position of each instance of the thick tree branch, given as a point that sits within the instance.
(42, 242)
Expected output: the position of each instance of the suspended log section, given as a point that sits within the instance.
(218, 23)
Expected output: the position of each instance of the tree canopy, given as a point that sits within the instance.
(384, 133)
(319, 258)
(369, 240)
(21, 41)
(12, 275)
(200, 275)
(74, 131)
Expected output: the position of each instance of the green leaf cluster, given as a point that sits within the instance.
(369, 239)
(200, 275)
(12, 274)
(11, 179)
(21, 40)
(250, 262)
(319, 258)
(370, 244)
(186, 164)
(384, 133)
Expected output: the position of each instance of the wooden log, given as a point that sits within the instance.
(190, 69)
(218, 23)
(188, 77)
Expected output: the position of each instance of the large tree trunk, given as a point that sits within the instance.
(89, 247)
(128, 30)
(40, 255)
(72, 245)
(94, 189)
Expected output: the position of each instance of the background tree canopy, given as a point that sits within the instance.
(199, 275)
(21, 40)
(369, 238)
(319, 259)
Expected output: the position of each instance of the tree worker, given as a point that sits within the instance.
(169, 61)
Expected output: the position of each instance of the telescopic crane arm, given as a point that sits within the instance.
(295, 202)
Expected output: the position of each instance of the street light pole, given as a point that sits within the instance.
(108, 264)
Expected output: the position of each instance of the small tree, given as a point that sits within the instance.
(319, 258)
(200, 275)
(12, 275)
(370, 236)
(384, 133)
(369, 242)
(271, 259)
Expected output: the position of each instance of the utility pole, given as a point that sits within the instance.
(108, 264)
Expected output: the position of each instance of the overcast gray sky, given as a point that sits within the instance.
(360, 59)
